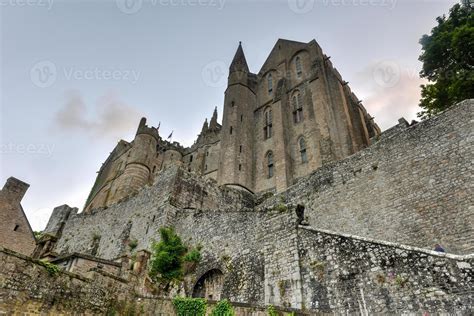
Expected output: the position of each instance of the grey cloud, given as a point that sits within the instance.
(112, 118)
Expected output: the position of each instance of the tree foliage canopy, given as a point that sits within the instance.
(448, 61)
(168, 254)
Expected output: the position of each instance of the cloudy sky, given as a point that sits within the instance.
(76, 76)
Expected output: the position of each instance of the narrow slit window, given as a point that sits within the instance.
(270, 165)
(267, 129)
(304, 156)
(270, 83)
(299, 70)
(297, 108)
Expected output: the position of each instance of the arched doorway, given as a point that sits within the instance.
(209, 286)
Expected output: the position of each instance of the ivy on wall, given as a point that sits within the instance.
(189, 306)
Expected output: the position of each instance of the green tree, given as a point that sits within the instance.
(168, 254)
(448, 61)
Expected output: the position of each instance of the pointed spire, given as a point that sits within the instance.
(213, 123)
(205, 127)
(239, 63)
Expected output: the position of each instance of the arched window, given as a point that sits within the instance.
(304, 156)
(297, 107)
(270, 164)
(299, 70)
(270, 83)
(267, 129)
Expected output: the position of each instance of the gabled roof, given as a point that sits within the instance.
(281, 43)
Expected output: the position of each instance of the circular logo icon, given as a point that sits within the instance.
(43, 74)
(301, 6)
(129, 6)
(386, 73)
(214, 74)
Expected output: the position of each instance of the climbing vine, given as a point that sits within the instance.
(223, 308)
(189, 306)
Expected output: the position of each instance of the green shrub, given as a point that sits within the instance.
(189, 306)
(169, 256)
(193, 256)
(133, 244)
(50, 267)
(272, 311)
(223, 308)
(167, 259)
(38, 235)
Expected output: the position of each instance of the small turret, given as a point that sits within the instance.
(144, 129)
(239, 63)
(205, 127)
(238, 70)
(213, 125)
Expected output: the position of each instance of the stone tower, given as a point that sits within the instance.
(139, 160)
(236, 161)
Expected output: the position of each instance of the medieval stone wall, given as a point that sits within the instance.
(414, 186)
(27, 288)
(351, 275)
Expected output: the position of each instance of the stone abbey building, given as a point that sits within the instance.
(296, 115)
(297, 199)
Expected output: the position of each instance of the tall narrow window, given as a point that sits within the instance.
(267, 129)
(240, 148)
(191, 158)
(240, 167)
(270, 83)
(230, 131)
(16, 228)
(154, 169)
(304, 156)
(299, 70)
(270, 164)
(297, 108)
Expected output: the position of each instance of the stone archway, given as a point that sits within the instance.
(209, 285)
